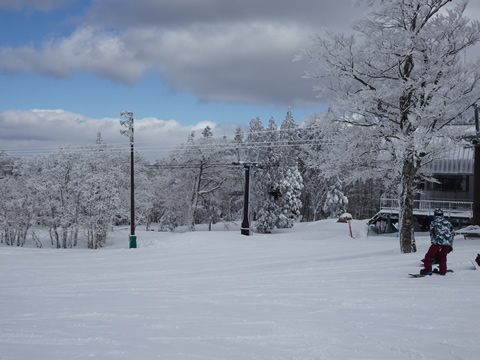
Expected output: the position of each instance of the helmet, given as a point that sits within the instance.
(438, 212)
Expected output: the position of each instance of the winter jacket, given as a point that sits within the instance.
(441, 231)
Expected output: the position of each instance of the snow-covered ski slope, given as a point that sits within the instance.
(306, 293)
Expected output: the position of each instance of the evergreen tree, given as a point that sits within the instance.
(289, 137)
(266, 182)
(238, 138)
(207, 132)
(279, 183)
(255, 138)
(336, 202)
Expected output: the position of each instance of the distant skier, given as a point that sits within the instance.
(441, 237)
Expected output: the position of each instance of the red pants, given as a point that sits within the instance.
(442, 250)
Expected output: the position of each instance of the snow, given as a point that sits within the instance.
(310, 292)
(472, 230)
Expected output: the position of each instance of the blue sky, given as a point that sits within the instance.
(68, 67)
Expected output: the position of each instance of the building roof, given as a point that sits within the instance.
(457, 161)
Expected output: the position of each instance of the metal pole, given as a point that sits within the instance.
(132, 186)
(477, 125)
(129, 123)
(476, 171)
(245, 227)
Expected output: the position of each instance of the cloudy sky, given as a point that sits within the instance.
(68, 67)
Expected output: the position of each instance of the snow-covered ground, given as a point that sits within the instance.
(310, 292)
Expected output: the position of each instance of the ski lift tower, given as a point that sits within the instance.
(245, 228)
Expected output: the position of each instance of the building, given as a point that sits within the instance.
(452, 192)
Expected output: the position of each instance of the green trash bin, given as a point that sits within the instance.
(133, 241)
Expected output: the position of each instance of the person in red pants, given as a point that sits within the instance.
(441, 237)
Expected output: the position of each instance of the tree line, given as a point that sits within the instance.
(80, 193)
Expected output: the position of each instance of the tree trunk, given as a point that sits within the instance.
(54, 236)
(407, 239)
(149, 221)
(64, 236)
(75, 236)
(90, 239)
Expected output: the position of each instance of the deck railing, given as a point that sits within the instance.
(426, 207)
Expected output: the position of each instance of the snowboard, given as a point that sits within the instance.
(435, 271)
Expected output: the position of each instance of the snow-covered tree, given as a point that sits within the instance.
(289, 138)
(104, 185)
(405, 80)
(293, 184)
(238, 137)
(6, 164)
(278, 184)
(17, 210)
(255, 138)
(73, 192)
(336, 201)
(57, 184)
(168, 221)
(266, 181)
(207, 132)
(334, 149)
(199, 174)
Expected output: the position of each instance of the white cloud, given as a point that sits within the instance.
(37, 131)
(86, 50)
(241, 63)
(233, 52)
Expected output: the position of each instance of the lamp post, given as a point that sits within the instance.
(129, 132)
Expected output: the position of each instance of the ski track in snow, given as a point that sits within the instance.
(310, 292)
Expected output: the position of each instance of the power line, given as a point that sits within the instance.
(184, 147)
(264, 131)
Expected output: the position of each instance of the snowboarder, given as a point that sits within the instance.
(436, 258)
(441, 236)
